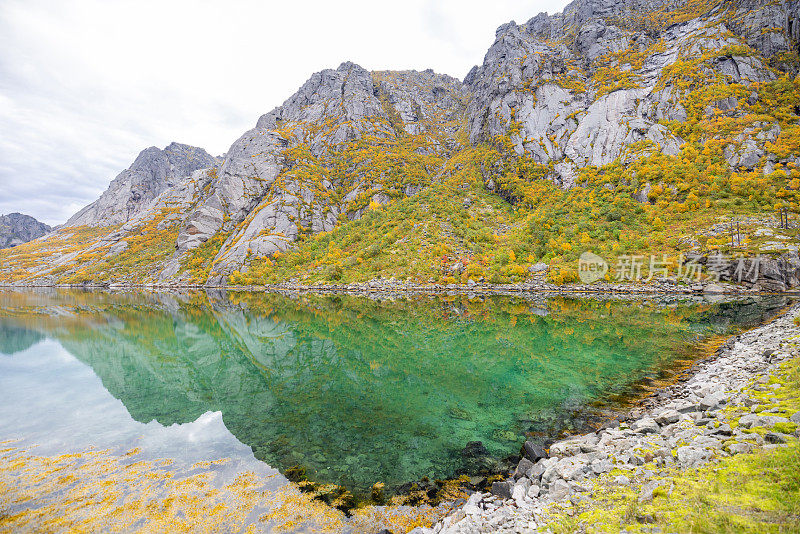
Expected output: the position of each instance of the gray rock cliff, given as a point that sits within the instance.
(153, 171)
(16, 229)
(585, 85)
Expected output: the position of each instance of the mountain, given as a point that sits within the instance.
(621, 126)
(16, 229)
(588, 86)
(153, 172)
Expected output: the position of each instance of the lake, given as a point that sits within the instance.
(349, 390)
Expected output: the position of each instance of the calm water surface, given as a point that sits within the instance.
(354, 390)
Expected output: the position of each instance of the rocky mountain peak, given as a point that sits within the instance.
(278, 179)
(341, 98)
(16, 229)
(153, 171)
(580, 87)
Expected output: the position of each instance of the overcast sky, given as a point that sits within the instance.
(85, 85)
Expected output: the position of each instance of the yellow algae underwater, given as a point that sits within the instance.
(95, 491)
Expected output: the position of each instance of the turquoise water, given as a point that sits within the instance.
(354, 390)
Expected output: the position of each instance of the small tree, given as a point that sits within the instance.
(788, 199)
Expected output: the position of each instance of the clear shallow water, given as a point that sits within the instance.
(355, 391)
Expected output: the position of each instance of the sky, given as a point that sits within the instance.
(86, 85)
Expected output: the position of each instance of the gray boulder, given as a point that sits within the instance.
(502, 489)
(691, 456)
(667, 417)
(647, 490)
(522, 469)
(766, 421)
(645, 425)
(559, 490)
(538, 267)
(713, 400)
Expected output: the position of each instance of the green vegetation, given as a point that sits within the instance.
(22, 263)
(756, 492)
(151, 242)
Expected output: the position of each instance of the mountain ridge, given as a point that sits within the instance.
(627, 108)
(17, 228)
(150, 174)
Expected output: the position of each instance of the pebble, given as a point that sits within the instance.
(667, 417)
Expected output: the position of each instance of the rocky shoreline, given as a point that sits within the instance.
(394, 286)
(540, 285)
(712, 415)
(780, 275)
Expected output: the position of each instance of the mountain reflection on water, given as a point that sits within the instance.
(358, 390)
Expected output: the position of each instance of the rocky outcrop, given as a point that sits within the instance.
(263, 205)
(153, 172)
(16, 229)
(582, 87)
(343, 98)
(769, 27)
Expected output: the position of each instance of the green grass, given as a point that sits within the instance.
(755, 492)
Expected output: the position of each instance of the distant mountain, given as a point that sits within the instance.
(621, 126)
(153, 172)
(16, 229)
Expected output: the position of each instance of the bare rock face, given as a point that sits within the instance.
(16, 229)
(262, 205)
(425, 102)
(769, 27)
(580, 88)
(250, 168)
(342, 98)
(153, 171)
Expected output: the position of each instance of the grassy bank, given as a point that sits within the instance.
(754, 492)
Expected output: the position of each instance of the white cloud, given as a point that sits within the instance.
(86, 85)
